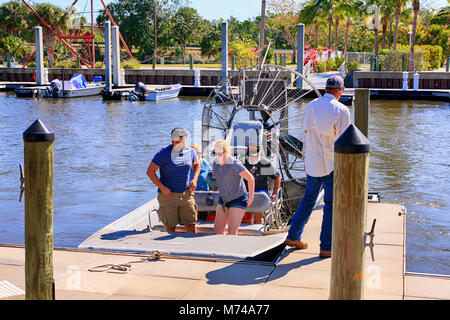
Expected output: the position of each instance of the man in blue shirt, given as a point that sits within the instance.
(175, 189)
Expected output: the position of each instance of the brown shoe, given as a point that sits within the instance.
(324, 254)
(297, 244)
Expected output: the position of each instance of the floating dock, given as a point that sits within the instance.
(293, 275)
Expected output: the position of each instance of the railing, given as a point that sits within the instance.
(308, 69)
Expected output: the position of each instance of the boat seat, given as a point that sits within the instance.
(204, 227)
(207, 201)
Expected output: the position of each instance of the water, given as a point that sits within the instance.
(102, 150)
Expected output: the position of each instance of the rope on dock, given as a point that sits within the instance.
(125, 267)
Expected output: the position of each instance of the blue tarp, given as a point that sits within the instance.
(78, 81)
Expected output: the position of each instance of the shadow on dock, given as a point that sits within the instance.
(240, 274)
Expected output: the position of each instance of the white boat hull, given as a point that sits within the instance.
(161, 93)
(141, 231)
(91, 90)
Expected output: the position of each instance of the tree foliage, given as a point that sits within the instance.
(179, 26)
(136, 21)
(185, 25)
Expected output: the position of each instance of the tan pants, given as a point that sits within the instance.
(179, 208)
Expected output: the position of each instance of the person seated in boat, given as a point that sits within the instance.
(203, 178)
(175, 189)
(261, 168)
(234, 198)
(205, 170)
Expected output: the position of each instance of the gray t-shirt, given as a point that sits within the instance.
(231, 184)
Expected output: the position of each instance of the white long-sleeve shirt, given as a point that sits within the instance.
(324, 120)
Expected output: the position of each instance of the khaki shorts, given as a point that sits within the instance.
(179, 208)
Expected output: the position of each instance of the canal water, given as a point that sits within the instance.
(102, 150)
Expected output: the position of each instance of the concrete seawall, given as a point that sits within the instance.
(394, 80)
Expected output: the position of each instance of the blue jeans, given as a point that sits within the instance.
(303, 212)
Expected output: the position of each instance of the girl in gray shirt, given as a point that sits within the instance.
(234, 198)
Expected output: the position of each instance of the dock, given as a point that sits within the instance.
(294, 275)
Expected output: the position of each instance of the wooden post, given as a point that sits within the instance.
(362, 106)
(300, 53)
(38, 153)
(115, 42)
(108, 68)
(351, 176)
(191, 62)
(40, 79)
(224, 53)
(155, 49)
(261, 31)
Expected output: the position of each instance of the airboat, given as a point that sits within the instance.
(259, 105)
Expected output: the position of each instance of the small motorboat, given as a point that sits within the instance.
(142, 93)
(75, 87)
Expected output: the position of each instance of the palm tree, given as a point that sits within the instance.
(372, 9)
(351, 11)
(387, 15)
(309, 15)
(320, 8)
(13, 17)
(399, 5)
(55, 17)
(344, 10)
(416, 8)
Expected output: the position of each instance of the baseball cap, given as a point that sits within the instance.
(179, 132)
(335, 82)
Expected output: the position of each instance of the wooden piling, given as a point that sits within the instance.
(300, 53)
(38, 154)
(351, 176)
(362, 107)
(191, 62)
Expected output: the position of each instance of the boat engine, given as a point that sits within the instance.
(55, 87)
(139, 92)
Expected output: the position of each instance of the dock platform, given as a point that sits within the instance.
(295, 275)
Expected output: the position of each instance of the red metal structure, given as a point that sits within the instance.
(88, 37)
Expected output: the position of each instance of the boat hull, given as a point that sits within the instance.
(170, 92)
(74, 93)
(141, 231)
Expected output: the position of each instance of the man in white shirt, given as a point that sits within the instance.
(324, 120)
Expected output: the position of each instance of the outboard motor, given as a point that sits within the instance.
(140, 88)
(55, 87)
(139, 92)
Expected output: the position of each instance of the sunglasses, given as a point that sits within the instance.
(219, 154)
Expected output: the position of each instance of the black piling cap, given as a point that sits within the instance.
(352, 141)
(37, 132)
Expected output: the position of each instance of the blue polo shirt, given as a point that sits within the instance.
(174, 167)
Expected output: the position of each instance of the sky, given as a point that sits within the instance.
(208, 9)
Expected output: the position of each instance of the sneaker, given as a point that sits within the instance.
(297, 244)
(324, 254)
